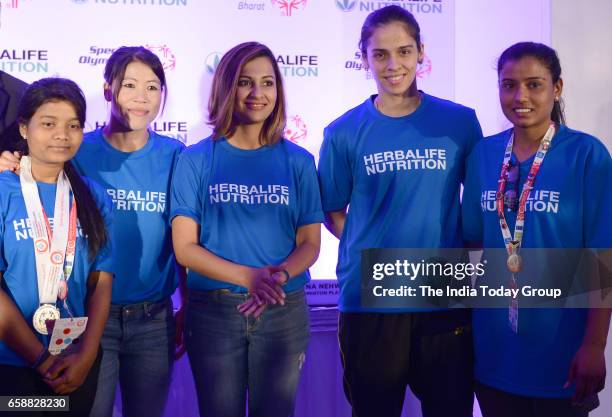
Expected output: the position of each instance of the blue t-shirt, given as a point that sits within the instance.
(248, 203)
(17, 261)
(139, 186)
(401, 177)
(567, 208)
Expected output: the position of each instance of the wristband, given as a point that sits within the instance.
(287, 276)
(42, 356)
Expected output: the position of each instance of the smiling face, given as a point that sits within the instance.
(53, 133)
(527, 93)
(139, 98)
(256, 92)
(392, 56)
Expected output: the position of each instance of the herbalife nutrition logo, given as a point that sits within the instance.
(413, 6)
(212, 62)
(346, 5)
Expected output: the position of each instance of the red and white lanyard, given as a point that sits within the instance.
(55, 248)
(512, 244)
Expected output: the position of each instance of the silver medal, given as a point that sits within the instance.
(42, 314)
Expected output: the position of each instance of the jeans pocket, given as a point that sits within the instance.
(295, 298)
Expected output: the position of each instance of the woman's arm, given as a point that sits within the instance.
(588, 368)
(306, 252)
(99, 288)
(334, 222)
(71, 368)
(15, 332)
(192, 255)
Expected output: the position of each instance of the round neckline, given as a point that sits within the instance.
(376, 113)
(529, 161)
(133, 154)
(250, 153)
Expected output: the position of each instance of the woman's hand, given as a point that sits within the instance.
(69, 370)
(44, 367)
(264, 288)
(9, 161)
(588, 370)
(251, 307)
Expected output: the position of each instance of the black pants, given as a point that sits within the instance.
(20, 381)
(431, 352)
(496, 403)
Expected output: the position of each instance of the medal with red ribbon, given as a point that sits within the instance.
(514, 261)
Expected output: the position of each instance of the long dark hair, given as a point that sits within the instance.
(548, 58)
(61, 89)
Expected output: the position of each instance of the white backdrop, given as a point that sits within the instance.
(315, 42)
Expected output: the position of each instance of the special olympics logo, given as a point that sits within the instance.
(165, 55)
(296, 130)
(424, 68)
(9, 4)
(288, 6)
(346, 5)
(212, 62)
(41, 245)
(57, 258)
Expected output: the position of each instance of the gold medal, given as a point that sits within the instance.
(42, 314)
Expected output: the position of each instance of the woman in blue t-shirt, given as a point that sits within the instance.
(52, 266)
(135, 165)
(536, 362)
(246, 216)
(391, 171)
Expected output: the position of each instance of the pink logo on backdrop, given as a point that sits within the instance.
(9, 4)
(165, 55)
(289, 6)
(424, 68)
(296, 130)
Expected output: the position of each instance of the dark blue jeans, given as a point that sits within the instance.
(138, 350)
(231, 355)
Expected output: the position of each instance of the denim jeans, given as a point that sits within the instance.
(138, 350)
(231, 355)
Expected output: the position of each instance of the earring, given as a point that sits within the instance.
(557, 98)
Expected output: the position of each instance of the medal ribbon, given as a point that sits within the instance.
(510, 243)
(55, 249)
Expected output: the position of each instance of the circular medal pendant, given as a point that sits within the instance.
(42, 314)
(514, 263)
